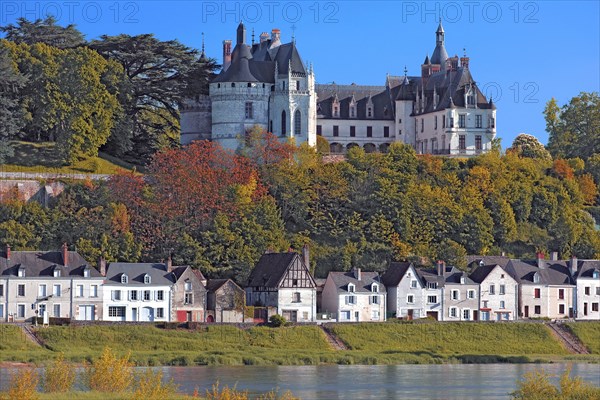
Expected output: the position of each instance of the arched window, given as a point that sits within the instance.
(297, 123)
(124, 279)
(283, 123)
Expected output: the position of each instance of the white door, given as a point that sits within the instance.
(86, 313)
(147, 314)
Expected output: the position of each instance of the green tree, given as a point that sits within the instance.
(43, 31)
(11, 111)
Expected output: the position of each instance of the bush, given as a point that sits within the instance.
(110, 373)
(537, 386)
(59, 376)
(150, 386)
(23, 385)
(277, 320)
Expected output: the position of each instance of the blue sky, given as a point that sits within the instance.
(522, 53)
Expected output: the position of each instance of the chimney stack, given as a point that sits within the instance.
(464, 62)
(554, 256)
(102, 266)
(226, 54)
(305, 256)
(264, 37)
(573, 265)
(357, 274)
(540, 260)
(440, 268)
(169, 264)
(65, 254)
(275, 35)
(8, 252)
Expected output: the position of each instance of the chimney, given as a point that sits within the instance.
(226, 54)
(264, 37)
(540, 260)
(357, 274)
(8, 252)
(573, 265)
(554, 256)
(169, 264)
(440, 268)
(305, 256)
(65, 254)
(464, 62)
(275, 35)
(102, 266)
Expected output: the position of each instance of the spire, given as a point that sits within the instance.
(241, 33)
(491, 104)
(202, 53)
(252, 36)
(427, 61)
(439, 55)
(440, 28)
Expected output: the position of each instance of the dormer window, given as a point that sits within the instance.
(124, 279)
(21, 272)
(536, 278)
(351, 287)
(596, 274)
(370, 112)
(336, 111)
(481, 263)
(56, 273)
(462, 280)
(147, 280)
(86, 272)
(374, 288)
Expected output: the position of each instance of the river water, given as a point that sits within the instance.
(450, 381)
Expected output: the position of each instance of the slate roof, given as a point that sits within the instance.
(43, 264)
(136, 272)
(481, 272)
(215, 284)
(585, 268)
(393, 275)
(430, 275)
(553, 273)
(382, 104)
(474, 260)
(342, 279)
(270, 269)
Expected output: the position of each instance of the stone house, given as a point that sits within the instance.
(188, 294)
(283, 284)
(226, 301)
(498, 292)
(406, 297)
(460, 296)
(354, 296)
(58, 284)
(433, 283)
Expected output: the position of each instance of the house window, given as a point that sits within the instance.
(536, 278)
(455, 295)
(586, 290)
(561, 308)
(147, 279)
(93, 290)
(1, 310)
(413, 284)
(537, 293)
(478, 142)
(86, 273)
(352, 111)
(595, 307)
(351, 287)
(336, 111)
(160, 295)
(21, 290)
(453, 312)
(478, 121)
(297, 85)
(20, 310)
(598, 291)
(443, 121)
(124, 279)
(466, 314)
(296, 297)
(537, 310)
(56, 290)
(561, 294)
(375, 288)
(294, 282)
(375, 299)
(297, 123)
(502, 289)
(485, 303)
(115, 295)
(502, 305)
(352, 131)
(79, 291)
(345, 316)
(160, 312)
(146, 295)
(386, 131)
(410, 299)
(375, 315)
(462, 143)
(283, 123)
(435, 122)
(471, 294)
(462, 120)
(56, 311)
(431, 285)
(319, 130)
(431, 299)
(350, 299)
(422, 124)
(491, 122)
(369, 112)
(42, 309)
(369, 131)
(451, 122)
(42, 290)
(187, 286)
(21, 272)
(1, 290)
(304, 315)
(56, 273)
(188, 298)
(116, 311)
(336, 130)
(133, 295)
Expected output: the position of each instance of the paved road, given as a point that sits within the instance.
(51, 175)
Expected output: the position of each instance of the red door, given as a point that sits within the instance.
(181, 316)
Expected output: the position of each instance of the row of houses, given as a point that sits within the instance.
(61, 284)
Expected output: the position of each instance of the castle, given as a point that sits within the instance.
(442, 111)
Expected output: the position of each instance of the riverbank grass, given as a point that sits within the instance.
(589, 333)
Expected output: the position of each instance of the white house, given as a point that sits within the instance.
(433, 284)
(282, 284)
(406, 297)
(587, 279)
(354, 296)
(137, 292)
(498, 293)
